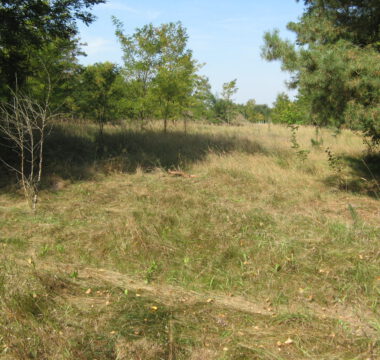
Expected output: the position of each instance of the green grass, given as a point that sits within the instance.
(255, 227)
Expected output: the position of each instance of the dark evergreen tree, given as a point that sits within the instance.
(335, 62)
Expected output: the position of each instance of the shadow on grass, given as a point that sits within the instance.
(364, 177)
(75, 153)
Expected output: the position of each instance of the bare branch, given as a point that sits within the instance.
(24, 123)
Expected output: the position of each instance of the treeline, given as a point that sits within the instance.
(335, 66)
(158, 78)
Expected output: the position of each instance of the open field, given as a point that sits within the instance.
(251, 250)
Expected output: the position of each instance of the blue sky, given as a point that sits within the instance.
(226, 35)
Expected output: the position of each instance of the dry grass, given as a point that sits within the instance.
(284, 248)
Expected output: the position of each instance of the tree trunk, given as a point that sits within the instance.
(100, 140)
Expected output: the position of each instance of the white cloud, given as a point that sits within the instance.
(114, 5)
(98, 45)
(235, 20)
(152, 14)
(234, 24)
(149, 14)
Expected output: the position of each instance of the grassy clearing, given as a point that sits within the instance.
(283, 247)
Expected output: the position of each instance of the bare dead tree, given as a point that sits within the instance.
(25, 123)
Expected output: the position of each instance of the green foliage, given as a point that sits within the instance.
(229, 89)
(202, 99)
(293, 137)
(335, 63)
(249, 110)
(354, 20)
(141, 58)
(301, 153)
(160, 71)
(151, 271)
(288, 112)
(263, 112)
(335, 162)
(229, 110)
(56, 73)
(27, 26)
(224, 109)
(255, 113)
(174, 83)
(100, 93)
(219, 107)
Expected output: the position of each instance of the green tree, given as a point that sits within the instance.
(286, 111)
(248, 110)
(265, 111)
(202, 99)
(176, 75)
(335, 62)
(55, 73)
(253, 112)
(224, 109)
(229, 89)
(141, 55)
(354, 20)
(26, 26)
(160, 70)
(101, 93)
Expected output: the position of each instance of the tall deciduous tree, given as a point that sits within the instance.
(224, 107)
(229, 90)
(175, 81)
(141, 55)
(159, 69)
(100, 94)
(202, 99)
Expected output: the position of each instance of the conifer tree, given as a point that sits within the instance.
(335, 62)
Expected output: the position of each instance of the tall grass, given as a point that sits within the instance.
(254, 223)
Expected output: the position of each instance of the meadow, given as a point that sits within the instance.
(227, 242)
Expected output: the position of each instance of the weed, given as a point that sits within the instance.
(14, 241)
(302, 154)
(74, 274)
(151, 272)
(293, 137)
(354, 215)
(60, 248)
(277, 268)
(335, 162)
(44, 250)
(316, 143)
